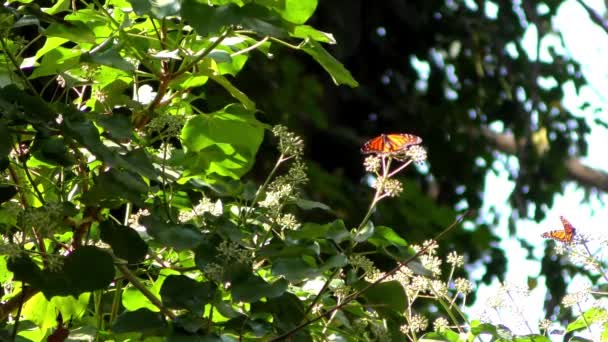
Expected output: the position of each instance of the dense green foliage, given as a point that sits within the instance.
(142, 195)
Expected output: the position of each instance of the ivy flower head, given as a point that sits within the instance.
(455, 260)
(441, 324)
(372, 163)
(431, 263)
(577, 297)
(170, 126)
(233, 252)
(388, 186)
(416, 153)
(290, 145)
(463, 286)
(288, 221)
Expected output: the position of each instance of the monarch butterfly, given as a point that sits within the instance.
(566, 235)
(390, 143)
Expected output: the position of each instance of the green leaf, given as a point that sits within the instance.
(77, 32)
(7, 192)
(158, 9)
(125, 241)
(142, 320)
(177, 236)
(309, 205)
(117, 126)
(590, 316)
(88, 268)
(52, 150)
(449, 336)
(37, 111)
(335, 261)
(365, 232)
(237, 94)
(254, 288)
(335, 230)
(305, 31)
(287, 311)
(387, 295)
(336, 70)
(223, 142)
(209, 20)
(385, 236)
(5, 144)
(133, 299)
(109, 56)
(181, 292)
(298, 11)
(115, 187)
(294, 269)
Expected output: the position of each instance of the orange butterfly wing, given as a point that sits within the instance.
(390, 143)
(566, 235)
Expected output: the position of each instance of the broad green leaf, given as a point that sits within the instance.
(36, 110)
(446, 336)
(50, 44)
(141, 320)
(298, 11)
(115, 187)
(158, 9)
(223, 142)
(309, 205)
(305, 31)
(110, 57)
(125, 241)
(5, 144)
(39, 310)
(52, 150)
(364, 233)
(209, 20)
(384, 236)
(387, 295)
(133, 299)
(237, 94)
(294, 269)
(590, 316)
(117, 126)
(181, 292)
(7, 192)
(287, 311)
(336, 70)
(334, 230)
(177, 236)
(334, 261)
(255, 288)
(88, 268)
(57, 61)
(75, 32)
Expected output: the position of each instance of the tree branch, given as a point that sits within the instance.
(585, 176)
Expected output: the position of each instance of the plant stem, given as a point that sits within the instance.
(138, 285)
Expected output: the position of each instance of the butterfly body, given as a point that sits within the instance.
(390, 143)
(566, 235)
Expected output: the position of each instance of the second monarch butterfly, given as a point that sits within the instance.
(390, 143)
(566, 235)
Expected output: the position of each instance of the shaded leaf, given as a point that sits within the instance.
(181, 292)
(141, 320)
(125, 241)
(178, 236)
